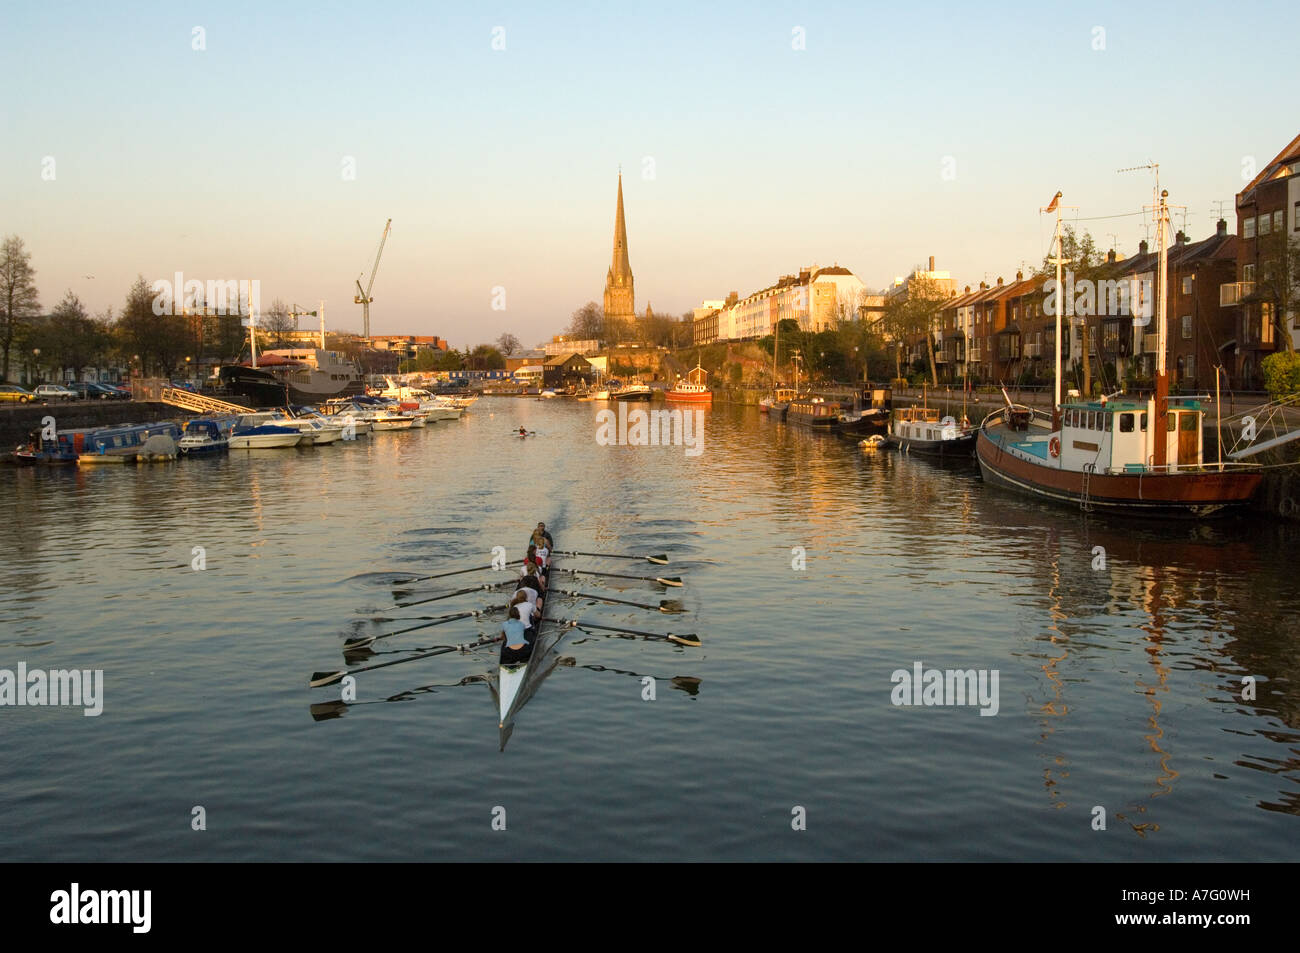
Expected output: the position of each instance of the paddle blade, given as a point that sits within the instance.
(691, 639)
(323, 711)
(660, 560)
(351, 645)
(671, 605)
(675, 581)
(321, 679)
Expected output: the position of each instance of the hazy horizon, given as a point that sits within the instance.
(891, 136)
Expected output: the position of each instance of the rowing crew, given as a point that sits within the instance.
(524, 618)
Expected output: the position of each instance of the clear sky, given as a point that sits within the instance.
(899, 131)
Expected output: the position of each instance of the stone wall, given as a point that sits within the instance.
(18, 421)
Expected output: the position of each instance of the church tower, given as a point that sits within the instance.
(620, 301)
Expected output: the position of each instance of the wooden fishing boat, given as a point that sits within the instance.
(1142, 457)
(693, 388)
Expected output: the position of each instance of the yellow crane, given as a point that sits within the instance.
(364, 298)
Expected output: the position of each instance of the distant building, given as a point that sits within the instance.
(565, 369)
(407, 346)
(817, 298)
(526, 359)
(565, 345)
(620, 298)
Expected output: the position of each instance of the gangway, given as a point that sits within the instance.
(188, 400)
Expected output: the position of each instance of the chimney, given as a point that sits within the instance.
(1110, 257)
(1020, 276)
(1143, 247)
(1222, 230)
(932, 263)
(984, 285)
(999, 281)
(968, 289)
(1180, 239)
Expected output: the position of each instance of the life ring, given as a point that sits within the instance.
(1054, 446)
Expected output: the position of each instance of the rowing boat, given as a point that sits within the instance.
(513, 679)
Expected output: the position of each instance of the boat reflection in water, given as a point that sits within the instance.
(1198, 634)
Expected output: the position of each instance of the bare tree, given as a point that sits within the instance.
(507, 344)
(276, 323)
(19, 301)
(587, 323)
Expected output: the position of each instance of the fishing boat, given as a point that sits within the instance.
(1114, 454)
(778, 405)
(693, 389)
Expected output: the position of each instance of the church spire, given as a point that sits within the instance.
(619, 296)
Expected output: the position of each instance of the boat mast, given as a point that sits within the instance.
(1160, 431)
(321, 309)
(1059, 260)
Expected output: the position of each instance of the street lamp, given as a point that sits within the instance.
(36, 360)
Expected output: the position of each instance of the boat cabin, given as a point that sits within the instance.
(1117, 436)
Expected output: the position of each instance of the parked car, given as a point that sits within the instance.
(14, 393)
(54, 392)
(90, 390)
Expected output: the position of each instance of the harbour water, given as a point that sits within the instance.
(814, 572)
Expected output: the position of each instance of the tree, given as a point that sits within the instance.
(276, 323)
(924, 297)
(1277, 282)
(485, 358)
(507, 344)
(1085, 261)
(1281, 374)
(894, 325)
(70, 338)
(19, 301)
(587, 323)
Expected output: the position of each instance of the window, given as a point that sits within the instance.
(1125, 423)
(1187, 327)
(1144, 421)
(1106, 422)
(1248, 228)
(1278, 224)
(1171, 423)
(1266, 322)
(1248, 272)
(1263, 224)
(1188, 422)
(1187, 285)
(1190, 367)
(1295, 218)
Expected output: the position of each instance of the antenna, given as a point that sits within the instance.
(1114, 241)
(1221, 203)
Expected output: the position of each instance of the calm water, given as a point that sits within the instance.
(1119, 686)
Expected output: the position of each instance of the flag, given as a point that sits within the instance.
(1055, 199)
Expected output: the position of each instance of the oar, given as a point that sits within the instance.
(441, 575)
(445, 595)
(685, 639)
(662, 580)
(665, 605)
(365, 640)
(660, 560)
(320, 679)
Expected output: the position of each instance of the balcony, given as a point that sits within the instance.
(1234, 292)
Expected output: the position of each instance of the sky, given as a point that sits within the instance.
(754, 138)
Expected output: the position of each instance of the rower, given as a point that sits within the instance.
(541, 528)
(523, 432)
(542, 549)
(516, 647)
(526, 601)
(533, 577)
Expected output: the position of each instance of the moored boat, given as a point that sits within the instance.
(920, 430)
(205, 435)
(815, 412)
(1142, 457)
(693, 389)
(255, 432)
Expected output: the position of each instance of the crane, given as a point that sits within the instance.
(364, 297)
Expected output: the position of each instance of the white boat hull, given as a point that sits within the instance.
(265, 441)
